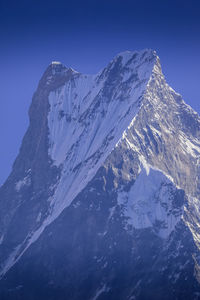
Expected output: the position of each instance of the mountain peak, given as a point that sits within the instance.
(55, 75)
(127, 58)
(112, 158)
(56, 63)
(57, 67)
(132, 55)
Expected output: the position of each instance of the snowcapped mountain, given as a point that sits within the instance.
(103, 198)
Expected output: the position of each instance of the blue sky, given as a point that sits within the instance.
(86, 35)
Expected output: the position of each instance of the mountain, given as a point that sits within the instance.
(103, 198)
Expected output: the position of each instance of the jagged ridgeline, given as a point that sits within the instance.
(103, 198)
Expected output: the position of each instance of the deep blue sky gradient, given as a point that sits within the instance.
(86, 35)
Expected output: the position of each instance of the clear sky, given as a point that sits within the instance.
(85, 35)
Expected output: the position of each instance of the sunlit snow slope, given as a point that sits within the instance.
(88, 116)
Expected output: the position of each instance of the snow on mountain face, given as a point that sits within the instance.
(149, 203)
(95, 104)
(88, 116)
(73, 118)
(111, 159)
(166, 136)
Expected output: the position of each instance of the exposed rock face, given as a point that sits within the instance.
(103, 199)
